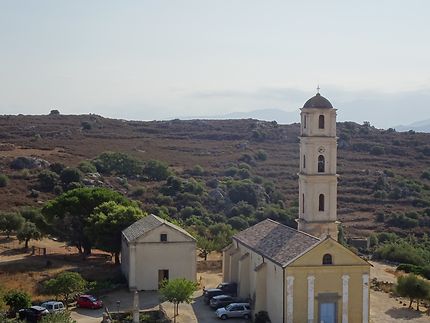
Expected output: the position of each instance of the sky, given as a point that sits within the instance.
(160, 59)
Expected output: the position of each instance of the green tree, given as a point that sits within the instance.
(10, 222)
(176, 291)
(16, 300)
(68, 214)
(28, 232)
(413, 287)
(106, 223)
(66, 285)
(205, 246)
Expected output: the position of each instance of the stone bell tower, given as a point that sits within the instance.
(317, 176)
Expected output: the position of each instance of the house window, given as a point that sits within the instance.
(304, 161)
(303, 203)
(327, 259)
(321, 202)
(321, 164)
(321, 122)
(163, 237)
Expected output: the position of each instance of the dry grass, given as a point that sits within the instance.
(21, 270)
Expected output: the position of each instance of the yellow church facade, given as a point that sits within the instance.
(304, 275)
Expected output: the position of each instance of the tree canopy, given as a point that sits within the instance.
(106, 223)
(413, 287)
(66, 285)
(68, 214)
(176, 291)
(29, 231)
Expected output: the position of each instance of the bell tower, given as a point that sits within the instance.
(317, 175)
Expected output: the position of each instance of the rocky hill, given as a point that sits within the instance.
(384, 181)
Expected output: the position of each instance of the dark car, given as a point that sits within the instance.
(32, 314)
(211, 292)
(228, 288)
(224, 300)
(88, 301)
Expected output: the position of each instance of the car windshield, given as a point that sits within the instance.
(228, 307)
(92, 298)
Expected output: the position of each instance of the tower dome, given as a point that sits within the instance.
(318, 102)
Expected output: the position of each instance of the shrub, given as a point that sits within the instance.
(138, 191)
(4, 180)
(57, 167)
(156, 170)
(47, 180)
(118, 163)
(70, 175)
(86, 125)
(197, 171)
(67, 284)
(87, 167)
(377, 150)
(426, 174)
(261, 155)
(16, 300)
(231, 171)
(54, 113)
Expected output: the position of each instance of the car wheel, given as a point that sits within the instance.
(223, 317)
(246, 317)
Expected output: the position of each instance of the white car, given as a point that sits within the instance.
(234, 310)
(53, 306)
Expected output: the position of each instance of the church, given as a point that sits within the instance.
(304, 275)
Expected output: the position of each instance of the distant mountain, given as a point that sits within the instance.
(419, 126)
(280, 116)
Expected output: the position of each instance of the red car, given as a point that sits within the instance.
(88, 301)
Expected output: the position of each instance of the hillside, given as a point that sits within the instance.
(384, 181)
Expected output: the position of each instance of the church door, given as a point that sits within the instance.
(327, 313)
(163, 274)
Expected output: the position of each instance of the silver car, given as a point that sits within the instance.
(234, 310)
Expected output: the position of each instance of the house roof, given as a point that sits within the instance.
(276, 241)
(149, 223)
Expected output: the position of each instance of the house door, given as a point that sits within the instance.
(327, 313)
(163, 274)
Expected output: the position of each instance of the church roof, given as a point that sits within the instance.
(147, 224)
(318, 102)
(276, 241)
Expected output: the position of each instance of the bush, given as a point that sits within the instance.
(261, 155)
(86, 125)
(54, 113)
(377, 150)
(47, 180)
(426, 174)
(118, 163)
(70, 175)
(4, 180)
(57, 167)
(197, 171)
(16, 300)
(87, 167)
(156, 170)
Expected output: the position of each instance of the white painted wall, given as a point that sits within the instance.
(178, 255)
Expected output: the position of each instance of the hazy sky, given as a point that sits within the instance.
(166, 59)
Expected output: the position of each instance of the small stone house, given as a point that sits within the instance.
(154, 249)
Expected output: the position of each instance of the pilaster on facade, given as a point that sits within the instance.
(365, 279)
(311, 297)
(290, 299)
(345, 298)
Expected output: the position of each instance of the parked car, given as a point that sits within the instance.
(88, 301)
(229, 288)
(53, 307)
(33, 313)
(234, 310)
(224, 300)
(211, 292)
(221, 289)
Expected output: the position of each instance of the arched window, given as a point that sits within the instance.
(303, 203)
(327, 259)
(321, 122)
(321, 164)
(304, 161)
(321, 202)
